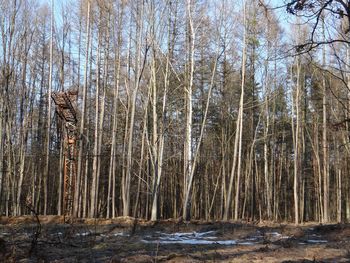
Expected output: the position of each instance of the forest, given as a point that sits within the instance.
(192, 109)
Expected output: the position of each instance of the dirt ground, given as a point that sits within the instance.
(23, 239)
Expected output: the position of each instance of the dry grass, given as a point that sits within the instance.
(100, 240)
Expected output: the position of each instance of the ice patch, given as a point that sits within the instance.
(190, 234)
(203, 234)
(207, 238)
(314, 241)
(190, 238)
(273, 233)
(246, 243)
(226, 242)
(252, 238)
(275, 236)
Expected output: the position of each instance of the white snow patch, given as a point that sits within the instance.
(202, 234)
(192, 242)
(121, 234)
(190, 238)
(273, 233)
(207, 238)
(83, 234)
(189, 234)
(276, 235)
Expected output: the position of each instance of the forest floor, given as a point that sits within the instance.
(23, 239)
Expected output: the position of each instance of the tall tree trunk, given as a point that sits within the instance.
(266, 129)
(138, 75)
(324, 137)
(296, 143)
(48, 123)
(240, 119)
(76, 211)
(188, 100)
(95, 172)
(111, 195)
(238, 136)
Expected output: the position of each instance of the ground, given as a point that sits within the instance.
(23, 239)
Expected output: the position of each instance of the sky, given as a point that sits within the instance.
(281, 12)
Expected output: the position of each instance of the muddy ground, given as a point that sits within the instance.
(22, 239)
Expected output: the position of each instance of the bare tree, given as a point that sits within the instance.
(83, 115)
(238, 136)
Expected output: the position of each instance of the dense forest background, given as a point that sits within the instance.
(187, 108)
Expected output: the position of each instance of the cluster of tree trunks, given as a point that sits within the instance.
(185, 107)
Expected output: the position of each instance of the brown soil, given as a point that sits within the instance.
(22, 239)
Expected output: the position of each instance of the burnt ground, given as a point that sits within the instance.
(22, 239)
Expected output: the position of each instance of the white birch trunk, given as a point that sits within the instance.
(188, 100)
(240, 119)
(94, 189)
